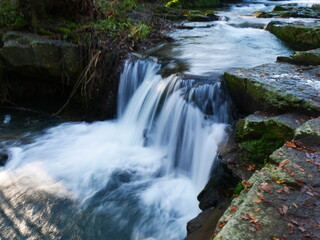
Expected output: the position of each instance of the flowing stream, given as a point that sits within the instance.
(136, 177)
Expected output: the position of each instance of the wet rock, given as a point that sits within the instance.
(198, 18)
(300, 36)
(34, 56)
(288, 11)
(3, 158)
(276, 87)
(276, 200)
(309, 133)
(311, 57)
(260, 134)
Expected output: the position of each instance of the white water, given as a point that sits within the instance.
(162, 145)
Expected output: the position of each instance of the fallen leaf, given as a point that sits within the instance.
(290, 228)
(228, 218)
(250, 215)
(285, 208)
(252, 229)
(233, 209)
(298, 167)
(315, 163)
(265, 187)
(246, 184)
(221, 224)
(244, 216)
(257, 210)
(262, 172)
(295, 205)
(307, 235)
(257, 201)
(283, 163)
(290, 144)
(280, 153)
(260, 196)
(215, 234)
(258, 227)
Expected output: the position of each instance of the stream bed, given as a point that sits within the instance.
(138, 176)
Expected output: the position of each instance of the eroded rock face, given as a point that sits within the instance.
(277, 199)
(299, 36)
(276, 87)
(35, 56)
(261, 134)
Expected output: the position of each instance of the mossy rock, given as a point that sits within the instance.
(309, 133)
(274, 88)
(260, 135)
(38, 57)
(262, 14)
(297, 35)
(311, 57)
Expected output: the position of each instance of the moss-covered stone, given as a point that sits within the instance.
(274, 88)
(300, 36)
(309, 133)
(262, 14)
(311, 57)
(260, 135)
(32, 55)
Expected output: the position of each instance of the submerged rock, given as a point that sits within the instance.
(311, 57)
(32, 55)
(277, 199)
(276, 87)
(300, 36)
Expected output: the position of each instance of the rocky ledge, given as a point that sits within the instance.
(281, 201)
(276, 87)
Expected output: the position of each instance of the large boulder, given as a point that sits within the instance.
(38, 57)
(276, 87)
(298, 35)
(311, 57)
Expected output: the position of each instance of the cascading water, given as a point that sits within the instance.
(134, 178)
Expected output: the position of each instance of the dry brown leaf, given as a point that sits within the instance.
(265, 187)
(228, 218)
(221, 224)
(233, 209)
(258, 227)
(246, 184)
(298, 167)
(315, 163)
(257, 210)
(251, 216)
(290, 144)
(257, 201)
(291, 228)
(280, 153)
(285, 208)
(260, 196)
(283, 163)
(295, 205)
(244, 216)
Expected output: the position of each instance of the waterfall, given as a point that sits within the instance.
(136, 177)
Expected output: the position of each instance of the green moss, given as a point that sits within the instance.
(238, 188)
(257, 151)
(10, 16)
(297, 36)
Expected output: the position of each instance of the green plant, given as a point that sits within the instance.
(10, 16)
(238, 188)
(174, 4)
(139, 31)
